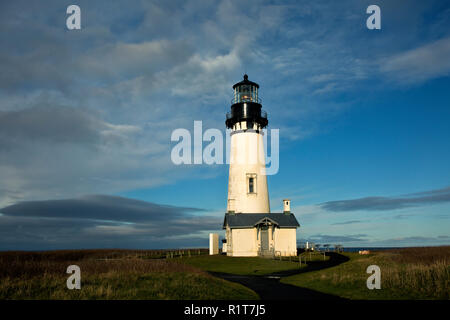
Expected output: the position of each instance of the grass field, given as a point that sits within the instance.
(410, 273)
(110, 274)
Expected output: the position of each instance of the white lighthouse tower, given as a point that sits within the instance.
(247, 182)
(251, 229)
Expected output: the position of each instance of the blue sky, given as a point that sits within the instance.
(86, 118)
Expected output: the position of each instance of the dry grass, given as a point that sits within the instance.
(29, 264)
(425, 271)
(410, 273)
(422, 255)
(109, 274)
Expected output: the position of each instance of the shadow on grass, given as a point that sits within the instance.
(269, 287)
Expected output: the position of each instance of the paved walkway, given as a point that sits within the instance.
(269, 287)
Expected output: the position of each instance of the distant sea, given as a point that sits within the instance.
(350, 249)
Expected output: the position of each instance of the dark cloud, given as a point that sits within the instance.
(414, 241)
(98, 207)
(49, 123)
(389, 203)
(401, 216)
(346, 222)
(362, 240)
(102, 221)
(320, 238)
(442, 191)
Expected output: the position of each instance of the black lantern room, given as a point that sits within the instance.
(246, 106)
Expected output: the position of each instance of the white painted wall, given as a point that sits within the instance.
(243, 243)
(213, 243)
(285, 241)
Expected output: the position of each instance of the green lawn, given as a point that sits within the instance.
(240, 265)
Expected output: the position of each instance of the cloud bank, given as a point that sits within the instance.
(100, 221)
(389, 203)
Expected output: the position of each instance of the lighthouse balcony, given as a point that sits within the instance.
(263, 114)
(247, 114)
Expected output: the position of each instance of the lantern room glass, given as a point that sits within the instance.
(245, 93)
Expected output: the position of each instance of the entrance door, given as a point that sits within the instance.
(264, 239)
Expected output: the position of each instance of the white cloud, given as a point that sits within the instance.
(420, 64)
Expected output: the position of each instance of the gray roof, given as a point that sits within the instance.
(249, 220)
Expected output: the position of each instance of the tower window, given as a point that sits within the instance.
(251, 185)
(251, 179)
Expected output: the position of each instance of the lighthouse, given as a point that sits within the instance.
(247, 181)
(251, 229)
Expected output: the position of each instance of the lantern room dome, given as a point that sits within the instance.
(246, 82)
